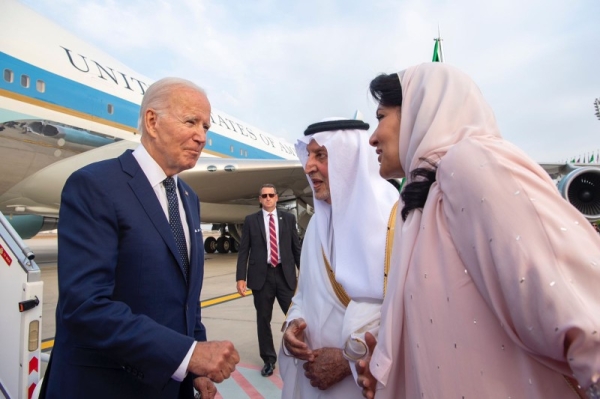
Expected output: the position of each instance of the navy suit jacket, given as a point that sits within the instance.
(126, 317)
(252, 256)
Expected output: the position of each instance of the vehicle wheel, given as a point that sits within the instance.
(210, 245)
(223, 245)
(235, 246)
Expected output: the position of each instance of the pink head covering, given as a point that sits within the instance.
(441, 106)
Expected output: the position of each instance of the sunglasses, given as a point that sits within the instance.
(270, 195)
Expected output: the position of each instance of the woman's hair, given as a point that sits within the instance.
(415, 193)
(387, 91)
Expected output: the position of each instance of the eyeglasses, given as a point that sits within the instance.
(271, 195)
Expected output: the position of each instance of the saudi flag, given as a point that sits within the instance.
(437, 51)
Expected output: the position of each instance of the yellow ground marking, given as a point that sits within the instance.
(49, 343)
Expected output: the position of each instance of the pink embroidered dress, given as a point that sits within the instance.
(494, 288)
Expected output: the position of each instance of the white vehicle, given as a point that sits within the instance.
(21, 296)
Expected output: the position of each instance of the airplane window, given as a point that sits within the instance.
(9, 75)
(210, 142)
(246, 153)
(230, 148)
(25, 81)
(110, 109)
(241, 151)
(40, 86)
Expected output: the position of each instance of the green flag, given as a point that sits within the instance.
(436, 51)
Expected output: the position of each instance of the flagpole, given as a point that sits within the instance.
(438, 52)
(440, 41)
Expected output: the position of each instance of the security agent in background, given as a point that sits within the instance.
(267, 260)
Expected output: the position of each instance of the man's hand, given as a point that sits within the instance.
(365, 379)
(241, 287)
(214, 359)
(206, 387)
(294, 341)
(328, 368)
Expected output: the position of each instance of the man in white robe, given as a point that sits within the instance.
(341, 282)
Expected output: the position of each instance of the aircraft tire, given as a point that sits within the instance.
(210, 245)
(235, 246)
(223, 245)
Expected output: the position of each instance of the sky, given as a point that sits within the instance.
(281, 65)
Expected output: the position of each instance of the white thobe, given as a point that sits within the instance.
(315, 302)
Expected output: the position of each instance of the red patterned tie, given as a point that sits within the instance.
(273, 241)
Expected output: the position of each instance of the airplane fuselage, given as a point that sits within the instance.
(64, 103)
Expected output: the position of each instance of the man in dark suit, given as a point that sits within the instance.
(131, 263)
(267, 260)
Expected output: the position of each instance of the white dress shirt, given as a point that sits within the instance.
(155, 176)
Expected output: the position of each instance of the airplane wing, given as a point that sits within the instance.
(227, 187)
(238, 181)
(556, 170)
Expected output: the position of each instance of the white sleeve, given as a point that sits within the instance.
(181, 371)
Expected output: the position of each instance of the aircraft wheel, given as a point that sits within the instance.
(235, 246)
(210, 245)
(223, 245)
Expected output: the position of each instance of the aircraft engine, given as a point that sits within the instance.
(28, 226)
(581, 188)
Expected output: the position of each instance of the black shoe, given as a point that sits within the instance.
(267, 369)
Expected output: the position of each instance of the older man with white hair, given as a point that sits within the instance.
(131, 264)
(341, 283)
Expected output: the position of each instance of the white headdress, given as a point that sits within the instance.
(361, 202)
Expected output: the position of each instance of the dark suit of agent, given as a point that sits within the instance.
(128, 316)
(269, 274)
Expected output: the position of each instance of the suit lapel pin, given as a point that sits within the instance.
(186, 193)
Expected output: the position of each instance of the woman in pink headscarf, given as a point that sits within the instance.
(494, 287)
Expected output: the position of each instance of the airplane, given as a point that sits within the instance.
(65, 104)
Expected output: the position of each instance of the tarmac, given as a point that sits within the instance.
(225, 315)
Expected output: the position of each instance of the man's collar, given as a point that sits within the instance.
(151, 168)
(266, 213)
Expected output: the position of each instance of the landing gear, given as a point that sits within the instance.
(210, 245)
(235, 246)
(223, 244)
(226, 242)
